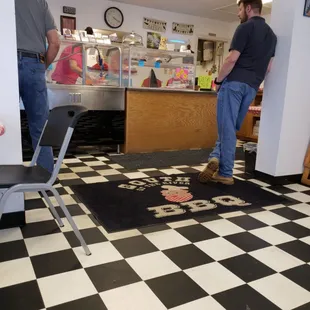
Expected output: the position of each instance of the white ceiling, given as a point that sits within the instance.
(224, 10)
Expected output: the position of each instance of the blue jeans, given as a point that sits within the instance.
(234, 99)
(33, 92)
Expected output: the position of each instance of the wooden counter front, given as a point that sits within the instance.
(246, 131)
(169, 120)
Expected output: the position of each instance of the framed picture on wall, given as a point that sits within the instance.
(153, 40)
(67, 22)
(307, 8)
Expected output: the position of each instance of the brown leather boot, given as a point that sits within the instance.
(207, 174)
(224, 180)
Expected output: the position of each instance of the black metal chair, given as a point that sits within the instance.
(57, 132)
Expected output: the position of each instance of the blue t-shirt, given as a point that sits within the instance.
(256, 43)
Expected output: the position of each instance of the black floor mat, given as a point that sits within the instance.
(167, 159)
(132, 204)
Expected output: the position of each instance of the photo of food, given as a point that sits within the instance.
(153, 40)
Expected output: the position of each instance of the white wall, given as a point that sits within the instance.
(295, 134)
(91, 13)
(285, 123)
(10, 142)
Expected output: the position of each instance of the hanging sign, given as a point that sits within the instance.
(185, 29)
(154, 24)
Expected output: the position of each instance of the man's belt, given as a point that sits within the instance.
(32, 55)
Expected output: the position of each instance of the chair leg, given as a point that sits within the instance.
(70, 220)
(52, 208)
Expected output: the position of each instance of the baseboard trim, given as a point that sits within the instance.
(282, 180)
(11, 220)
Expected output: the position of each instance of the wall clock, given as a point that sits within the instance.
(114, 17)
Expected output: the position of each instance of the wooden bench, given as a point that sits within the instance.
(306, 175)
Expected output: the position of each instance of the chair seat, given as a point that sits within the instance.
(11, 175)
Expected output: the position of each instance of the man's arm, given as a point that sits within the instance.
(53, 46)
(228, 65)
(74, 67)
(51, 35)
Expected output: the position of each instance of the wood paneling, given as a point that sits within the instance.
(246, 131)
(161, 121)
(306, 175)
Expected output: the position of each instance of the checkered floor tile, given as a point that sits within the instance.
(257, 260)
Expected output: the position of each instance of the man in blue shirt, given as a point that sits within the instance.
(250, 58)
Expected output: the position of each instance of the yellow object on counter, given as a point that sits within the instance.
(205, 81)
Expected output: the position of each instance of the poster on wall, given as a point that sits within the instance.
(154, 24)
(185, 29)
(307, 8)
(153, 40)
(67, 22)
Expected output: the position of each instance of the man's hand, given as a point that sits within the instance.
(228, 65)
(53, 46)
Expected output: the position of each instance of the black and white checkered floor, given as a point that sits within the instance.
(255, 260)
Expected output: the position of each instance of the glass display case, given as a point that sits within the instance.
(87, 73)
(86, 63)
(150, 68)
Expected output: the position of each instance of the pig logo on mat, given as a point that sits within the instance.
(177, 190)
(176, 193)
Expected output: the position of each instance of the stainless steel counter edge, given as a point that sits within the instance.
(86, 87)
(96, 98)
(167, 90)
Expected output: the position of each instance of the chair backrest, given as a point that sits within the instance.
(59, 121)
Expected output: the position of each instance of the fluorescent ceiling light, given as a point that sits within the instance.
(176, 41)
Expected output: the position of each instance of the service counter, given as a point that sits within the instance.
(93, 98)
(138, 98)
(138, 119)
(166, 120)
(104, 124)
